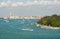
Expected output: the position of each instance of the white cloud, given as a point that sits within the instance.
(3, 4)
(20, 3)
(28, 3)
(14, 5)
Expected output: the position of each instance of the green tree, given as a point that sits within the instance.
(53, 21)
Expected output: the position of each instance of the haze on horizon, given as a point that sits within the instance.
(29, 7)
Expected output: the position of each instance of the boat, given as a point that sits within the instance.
(26, 29)
(6, 20)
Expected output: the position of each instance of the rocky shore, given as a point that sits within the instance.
(47, 27)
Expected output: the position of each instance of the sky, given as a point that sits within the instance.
(27, 0)
(29, 7)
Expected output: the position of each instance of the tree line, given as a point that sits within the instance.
(53, 21)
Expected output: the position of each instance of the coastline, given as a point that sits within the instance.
(47, 27)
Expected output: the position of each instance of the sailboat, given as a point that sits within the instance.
(11, 16)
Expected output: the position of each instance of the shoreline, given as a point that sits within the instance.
(47, 27)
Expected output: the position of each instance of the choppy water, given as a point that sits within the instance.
(25, 29)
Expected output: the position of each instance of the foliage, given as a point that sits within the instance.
(53, 21)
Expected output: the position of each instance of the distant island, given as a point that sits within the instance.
(52, 22)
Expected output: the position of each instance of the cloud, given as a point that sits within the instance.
(15, 4)
(20, 3)
(2, 4)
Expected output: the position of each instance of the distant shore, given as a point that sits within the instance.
(22, 17)
(47, 27)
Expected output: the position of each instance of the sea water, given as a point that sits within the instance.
(25, 29)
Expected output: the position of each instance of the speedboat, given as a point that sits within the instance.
(27, 29)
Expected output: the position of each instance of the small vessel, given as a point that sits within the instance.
(5, 17)
(27, 29)
(6, 20)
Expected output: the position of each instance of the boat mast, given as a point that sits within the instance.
(10, 14)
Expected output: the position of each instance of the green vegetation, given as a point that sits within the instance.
(53, 21)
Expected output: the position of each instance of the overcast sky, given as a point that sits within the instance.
(29, 7)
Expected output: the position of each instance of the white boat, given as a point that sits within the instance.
(27, 29)
(6, 20)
